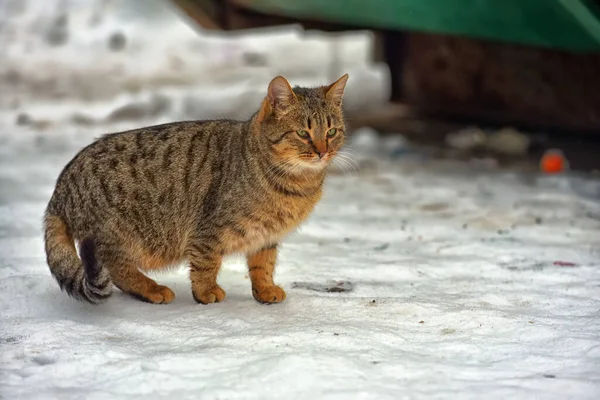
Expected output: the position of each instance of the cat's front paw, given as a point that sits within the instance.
(268, 294)
(157, 294)
(214, 294)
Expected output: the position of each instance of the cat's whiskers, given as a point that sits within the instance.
(294, 166)
(349, 150)
(297, 165)
(349, 160)
(281, 169)
(345, 163)
(348, 154)
(343, 166)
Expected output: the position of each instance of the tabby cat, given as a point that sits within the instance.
(196, 191)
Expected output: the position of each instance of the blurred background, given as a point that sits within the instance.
(455, 249)
(71, 70)
(506, 82)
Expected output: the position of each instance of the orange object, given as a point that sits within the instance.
(553, 162)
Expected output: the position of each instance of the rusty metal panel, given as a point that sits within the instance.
(558, 88)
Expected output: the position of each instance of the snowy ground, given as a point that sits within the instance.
(467, 282)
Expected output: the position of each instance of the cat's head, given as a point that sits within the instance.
(303, 127)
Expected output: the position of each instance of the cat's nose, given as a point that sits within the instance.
(321, 155)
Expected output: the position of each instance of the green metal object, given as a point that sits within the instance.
(563, 24)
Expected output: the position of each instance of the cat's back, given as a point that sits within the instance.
(150, 166)
(143, 146)
(161, 148)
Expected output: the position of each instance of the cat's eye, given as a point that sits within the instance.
(303, 134)
(331, 132)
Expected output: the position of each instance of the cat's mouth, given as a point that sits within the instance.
(316, 162)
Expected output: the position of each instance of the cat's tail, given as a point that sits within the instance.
(81, 278)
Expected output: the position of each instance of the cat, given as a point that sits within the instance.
(193, 191)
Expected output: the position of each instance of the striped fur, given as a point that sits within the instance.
(82, 278)
(193, 191)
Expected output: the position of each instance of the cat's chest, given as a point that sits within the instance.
(268, 224)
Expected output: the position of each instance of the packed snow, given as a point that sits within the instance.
(414, 278)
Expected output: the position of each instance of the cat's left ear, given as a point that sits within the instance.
(335, 91)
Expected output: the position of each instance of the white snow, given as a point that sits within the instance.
(457, 293)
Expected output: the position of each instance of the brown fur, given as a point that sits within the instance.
(195, 191)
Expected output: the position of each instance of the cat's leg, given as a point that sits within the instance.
(261, 266)
(205, 263)
(127, 277)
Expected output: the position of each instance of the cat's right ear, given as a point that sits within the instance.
(280, 94)
(280, 97)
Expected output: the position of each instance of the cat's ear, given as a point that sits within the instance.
(335, 91)
(280, 94)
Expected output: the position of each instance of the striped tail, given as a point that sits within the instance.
(82, 278)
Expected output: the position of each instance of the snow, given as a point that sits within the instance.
(456, 287)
